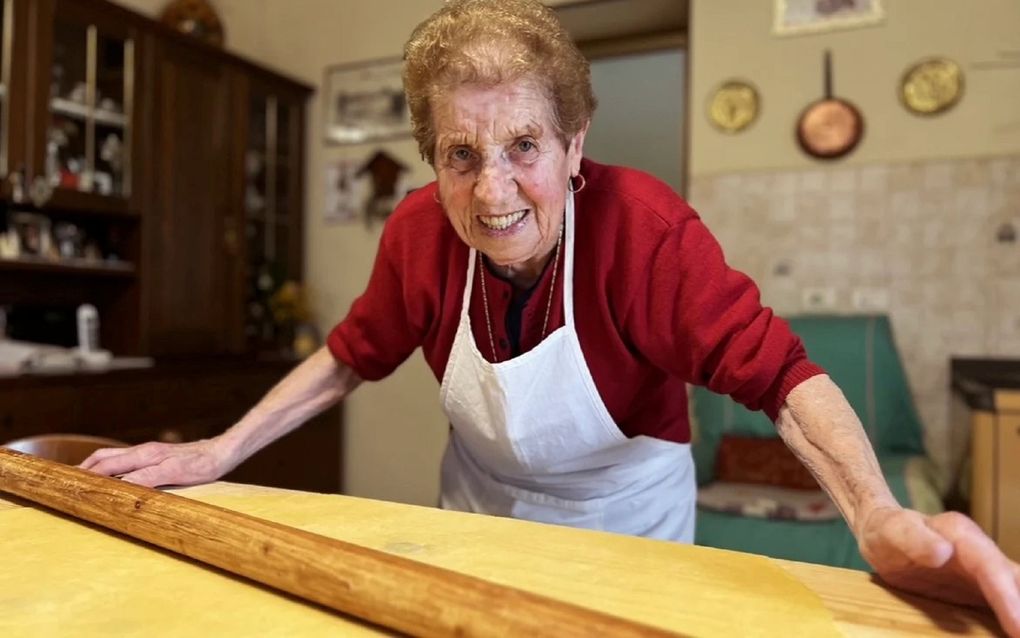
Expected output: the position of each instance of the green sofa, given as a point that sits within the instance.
(859, 353)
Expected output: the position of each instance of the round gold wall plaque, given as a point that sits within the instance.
(931, 86)
(733, 106)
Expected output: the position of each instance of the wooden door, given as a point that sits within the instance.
(192, 239)
(1008, 533)
(984, 475)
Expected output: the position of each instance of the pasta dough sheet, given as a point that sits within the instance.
(63, 577)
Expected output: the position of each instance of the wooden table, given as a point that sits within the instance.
(61, 577)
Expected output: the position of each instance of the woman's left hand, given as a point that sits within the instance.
(945, 556)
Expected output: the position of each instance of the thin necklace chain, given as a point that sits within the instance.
(548, 305)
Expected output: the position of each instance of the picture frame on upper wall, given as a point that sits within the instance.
(365, 102)
(803, 17)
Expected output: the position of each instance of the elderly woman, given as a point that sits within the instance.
(564, 305)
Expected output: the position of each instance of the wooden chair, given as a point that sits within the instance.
(70, 449)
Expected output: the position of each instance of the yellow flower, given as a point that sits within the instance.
(288, 304)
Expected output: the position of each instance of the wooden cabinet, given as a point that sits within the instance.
(167, 176)
(995, 501)
(191, 266)
(1009, 480)
(990, 390)
(226, 202)
(176, 402)
(166, 173)
(271, 125)
(83, 87)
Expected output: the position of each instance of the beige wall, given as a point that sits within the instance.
(912, 215)
(732, 39)
(244, 21)
(395, 430)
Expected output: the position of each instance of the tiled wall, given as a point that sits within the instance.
(940, 241)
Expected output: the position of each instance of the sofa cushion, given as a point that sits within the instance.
(767, 501)
(764, 460)
(859, 353)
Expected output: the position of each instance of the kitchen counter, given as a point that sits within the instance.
(990, 388)
(983, 383)
(177, 400)
(142, 368)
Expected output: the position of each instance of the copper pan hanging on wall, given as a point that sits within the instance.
(831, 127)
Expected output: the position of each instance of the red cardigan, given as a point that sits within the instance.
(655, 305)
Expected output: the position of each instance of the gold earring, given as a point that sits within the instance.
(570, 184)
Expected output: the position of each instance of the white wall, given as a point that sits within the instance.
(732, 39)
(639, 121)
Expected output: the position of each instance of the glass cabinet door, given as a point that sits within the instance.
(272, 221)
(6, 45)
(91, 89)
(262, 276)
(284, 172)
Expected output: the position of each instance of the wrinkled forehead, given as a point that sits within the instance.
(485, 112)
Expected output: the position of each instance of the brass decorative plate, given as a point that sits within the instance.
(931, 86)
(733, 106)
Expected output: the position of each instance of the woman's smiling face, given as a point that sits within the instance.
(503, 170)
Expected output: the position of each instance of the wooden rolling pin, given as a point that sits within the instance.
(388, 590)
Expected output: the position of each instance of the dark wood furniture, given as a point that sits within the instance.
(176, 401)
(182, 164)
(990, 389)
(70, 449)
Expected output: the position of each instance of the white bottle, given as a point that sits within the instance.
(89, 355)
(88, 328)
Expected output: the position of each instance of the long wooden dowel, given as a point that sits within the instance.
(388, 590)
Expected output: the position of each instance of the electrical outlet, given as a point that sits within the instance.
(818, 298)
(870, 299)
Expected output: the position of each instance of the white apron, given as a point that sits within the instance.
(531, 438)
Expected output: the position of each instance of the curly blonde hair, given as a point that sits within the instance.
(492, 42)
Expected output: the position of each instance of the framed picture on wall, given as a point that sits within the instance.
(365, 102)
(796, 17)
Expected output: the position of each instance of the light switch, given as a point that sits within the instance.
(818, 298)
(870, 299)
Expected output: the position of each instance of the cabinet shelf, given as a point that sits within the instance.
(82, 111)
(86, 203)
(123, 270)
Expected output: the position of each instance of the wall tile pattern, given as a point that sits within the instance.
(933, 235)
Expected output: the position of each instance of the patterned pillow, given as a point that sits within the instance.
(767, 501)
(753, 459)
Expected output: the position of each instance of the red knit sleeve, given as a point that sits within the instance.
(704, 321)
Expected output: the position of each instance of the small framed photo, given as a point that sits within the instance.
(365, 102)
(34, 235)
(796, 17)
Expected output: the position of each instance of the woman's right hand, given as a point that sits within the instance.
(156, 464)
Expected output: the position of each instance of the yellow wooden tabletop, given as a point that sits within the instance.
(61, 577)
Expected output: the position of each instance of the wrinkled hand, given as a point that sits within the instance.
(946, 556)
(156, 464)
